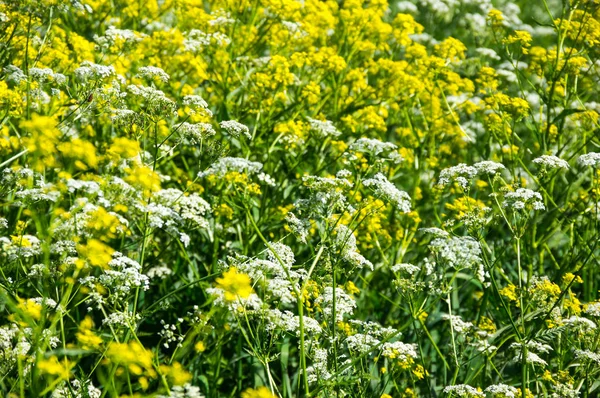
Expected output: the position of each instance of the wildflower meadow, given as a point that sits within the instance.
(299, 198)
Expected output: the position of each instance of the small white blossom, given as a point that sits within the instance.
(235, 128)
(551, 162)
(389, 192)
(591, 159)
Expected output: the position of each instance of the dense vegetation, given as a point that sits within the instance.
(293, 198)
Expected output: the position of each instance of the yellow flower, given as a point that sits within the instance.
(124, 148)
(495, 17)
(176, 373)
(83, 152)
(570, 278)
(30, 308)
(52, 366)
(235, 284)
(260, 392)
(96, 253)
(200, 346)
(133, 356)
(143, 177)
(85, 336)
(510, 292)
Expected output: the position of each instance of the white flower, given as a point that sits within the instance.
(502, 390)
(91, 71)
(323, 128)
(300, 227)
(460, 174)
(372, 147)
(587, 356)
(589, 159)
(153, 72)
(196, 132)
(197, 104)
(464, 390)
(344, 303)
(346, 242)
(400, 351)
(235, 128)
(458, 324)
(488, 167)
(408, 268)
(227, 164)
(388, 191)
(362, 343)
(523, 198)
(551, 162)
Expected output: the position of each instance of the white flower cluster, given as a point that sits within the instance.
(502, 390)
(488, 167)
(287, 321)
(196, 132)
(385, 189)
(580, 324)
(587, 355)
(400, 351)
(344, 303)
(322, 128)
(14, 75)
(20, 247)
(457, 323)
(125, 318)
(326, 184)
(464, 390)
(371, 146)
(410, 269)
(196, 40)
(345, 241)
(533, 350)
(122, 276)
(376, 149)
(190, 208)
(462, 173)
(299, 227)
(156, 102)
(228, 164)
(124, 117)
(153, 73)
(362, 343)
(460, 252)
(593, 309)
(44, 75)
(45, 193)
(551, 162)
(184, 391)
(236, 128)
(591, 159)
(196, 104)
(91, 71)
(523, 199)
(66, 390)
(318, 370)
(113, 35)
